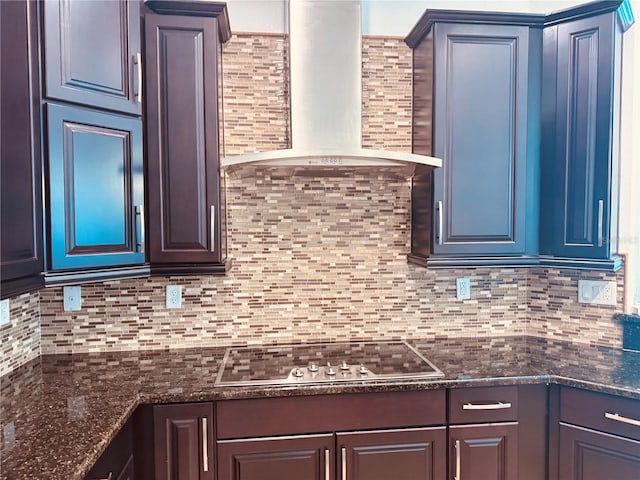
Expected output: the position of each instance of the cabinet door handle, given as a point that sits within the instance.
(343, 457)
(139, 211)
(212, 227)
(327, 465)
(620, 418)
(600, 220)
(457, 447)
(486, 406)
(205, 446)
(439, 222)
(137, 87)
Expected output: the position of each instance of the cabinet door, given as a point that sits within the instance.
(96, 188)
(481, 133)
(589, 455)
(21, 260)
(484, 452)
(183, 441)
(412, 454)
(309, 457)
(91, 53)
(185, 211)
(578, 122)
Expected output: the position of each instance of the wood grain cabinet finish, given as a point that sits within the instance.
(409, 454)
(92, 53)
(476, 94)
(187, 216)
(308, 457)
(96, 188)
(21, 258)
(581, 81)
(184, 441)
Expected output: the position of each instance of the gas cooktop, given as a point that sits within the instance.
(323, 363)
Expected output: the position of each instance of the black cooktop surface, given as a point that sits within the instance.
(323, 362)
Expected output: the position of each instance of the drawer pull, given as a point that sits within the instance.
(486, 406)
(620, 418)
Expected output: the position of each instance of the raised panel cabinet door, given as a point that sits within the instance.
(589, 455)
(21, 261)
(412, 454)
(308, 457)
(183, 441)
(484, 452)
(577, 175)
(182, 140)
(480, 132)
(92, 53)
(96, 188)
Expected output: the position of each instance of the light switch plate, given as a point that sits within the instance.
(463, 288)
(597, 292)
(5, 312)
(72, 299)
(174, 296)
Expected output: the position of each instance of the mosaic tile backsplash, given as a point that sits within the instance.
(314, 259)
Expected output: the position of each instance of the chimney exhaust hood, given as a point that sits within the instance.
(326, 96)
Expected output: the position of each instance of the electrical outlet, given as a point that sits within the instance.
(597, 292)
(72, 297)
(463, 288)
(174, 296)
(5, 313)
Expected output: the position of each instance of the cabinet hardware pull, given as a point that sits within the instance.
(343, 455)
(137, 61)
(486, 406)
(457, 447)
(439, 222)
(327, 473)
(620, 418)
(600, 219)
(139, 211)
(212, 229)
(205, 446)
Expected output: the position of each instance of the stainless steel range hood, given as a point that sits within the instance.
(326, 96)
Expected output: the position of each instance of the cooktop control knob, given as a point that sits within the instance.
(297, 373)
(313, 367)
(344, 366)
(363, 370)
(330, 371)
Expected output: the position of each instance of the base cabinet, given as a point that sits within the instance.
(591, 455)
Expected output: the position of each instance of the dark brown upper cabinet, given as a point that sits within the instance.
(92, 53)
(476, 106)
(581, 136)
(187, 215)
(21, 261)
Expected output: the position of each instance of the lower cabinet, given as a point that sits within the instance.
(117, 462)
(183, 441)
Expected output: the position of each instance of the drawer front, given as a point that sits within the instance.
(607, 413)
(328, 413)
(483, 404)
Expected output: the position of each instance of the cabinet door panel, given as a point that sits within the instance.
(416, 454)
(95, 185)
(74, 34)
(480, 132)
(288, 458)
(484, 452)
(590, 455)
(182, 113)
(183, 447)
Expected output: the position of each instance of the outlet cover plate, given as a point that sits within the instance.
(72, 298)
(597, 292)
(5, 312)
(463, 288)
(174, 296)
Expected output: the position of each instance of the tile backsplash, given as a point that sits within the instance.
(313, 258)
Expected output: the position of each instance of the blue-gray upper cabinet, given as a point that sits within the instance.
(96, 193)
(580, 121)
(476, 106)
(92, 53)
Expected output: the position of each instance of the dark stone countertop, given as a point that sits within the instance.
(59, 412)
